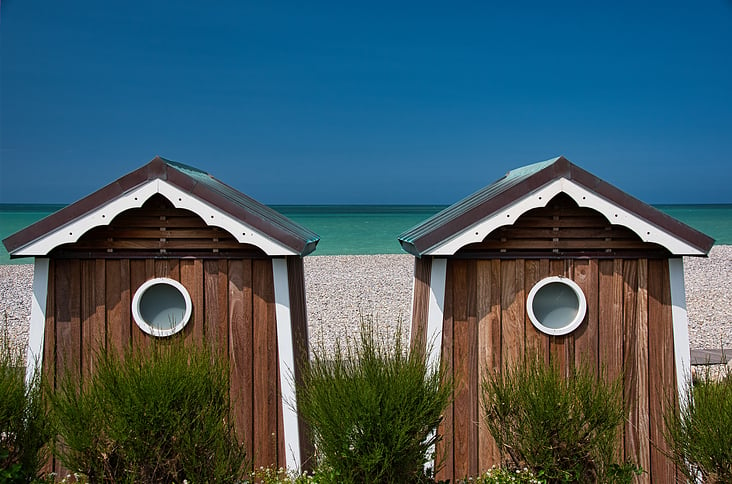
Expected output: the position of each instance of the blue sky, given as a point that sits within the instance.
(373, 102)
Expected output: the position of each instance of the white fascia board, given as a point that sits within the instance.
(584, 198)
(286, 351)
(134, 198)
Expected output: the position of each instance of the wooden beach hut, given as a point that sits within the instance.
(169, 239)
(553, 259)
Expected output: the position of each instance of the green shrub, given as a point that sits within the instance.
(700, 434)
(156, 415)
(373, 410)
(23, 423)
(501, 475)
(562, 429)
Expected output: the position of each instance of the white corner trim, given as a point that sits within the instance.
(134, 198)
(436, 310)
(584, 198)
(34, 355)
(435, 316)
(682, 353)
(287, 362)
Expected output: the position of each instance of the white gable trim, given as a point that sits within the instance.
(134, 198)
(584, 198)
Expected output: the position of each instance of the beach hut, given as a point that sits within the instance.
(168, 248)
(554, 260)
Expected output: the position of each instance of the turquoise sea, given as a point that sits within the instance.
(371, 229)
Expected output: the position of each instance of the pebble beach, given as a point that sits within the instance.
(343, 290)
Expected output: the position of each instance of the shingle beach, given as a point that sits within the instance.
(342, 289)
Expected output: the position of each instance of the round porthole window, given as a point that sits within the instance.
(161, 307)
(556, 305)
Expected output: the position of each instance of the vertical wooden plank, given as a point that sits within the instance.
(265, 365)
(68, 327)
(536, 342)
(240, 353)
(495, 316)
(444, 452)
(117, 284)
(473, 383)
(562, 347)
(420, 303)
(610, 325)
(191, 276)
(68, 317)
(216, 314)
(512, 312)
(49, 345)
(140, 271)
(610, 316)
(462, 371)
(489, 357)
(301, 347)
(661, 381)
(630, 353)
(92, 313)
(586, 336)
(642, 369)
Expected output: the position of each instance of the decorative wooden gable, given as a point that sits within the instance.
(500, 204)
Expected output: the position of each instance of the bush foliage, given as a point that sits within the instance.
(159, 414)
(373, 410)
(700, 434)
(562, 429)
(23, 423)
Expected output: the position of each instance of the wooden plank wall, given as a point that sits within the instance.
(627, 331)
(233, 311)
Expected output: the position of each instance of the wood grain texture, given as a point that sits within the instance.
(140, 271)
(241, 359)
(610, 326)
(512, 311)
(661, 377)
(68, 327)
(420, 303)
(586, 336)
(93, 314)
(49, 345)
(461, 365)
(216, 326)
(265, 367)
(444, 451)
(489, 353)
(192, 278)
(641, 361)
(300, 340)
(630, 354)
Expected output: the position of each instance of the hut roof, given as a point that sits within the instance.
(186, 187)
(502, 202)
